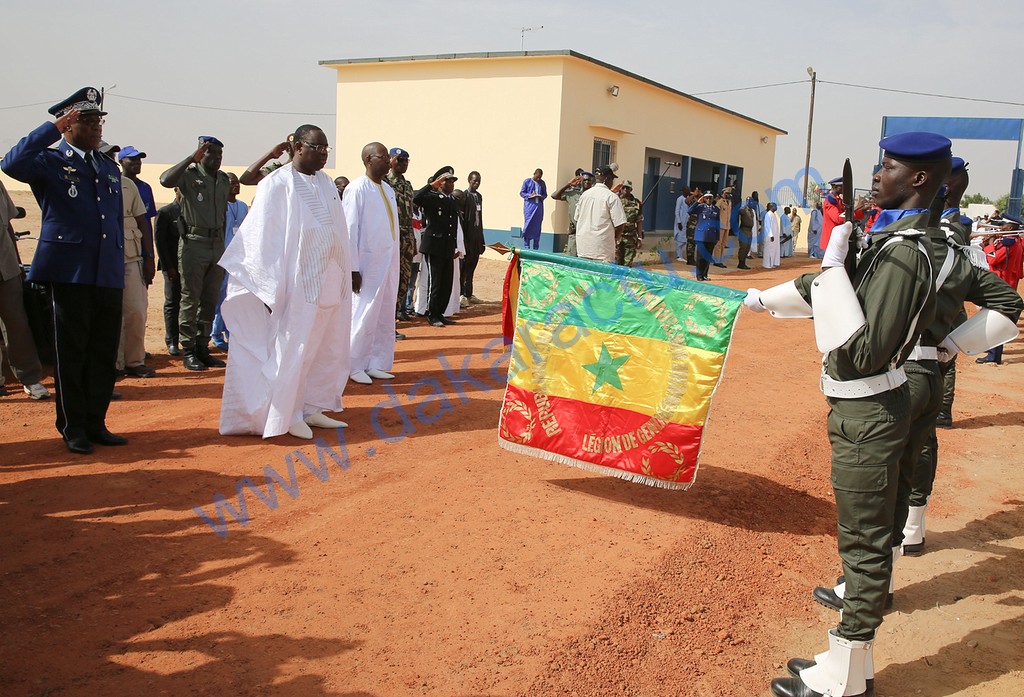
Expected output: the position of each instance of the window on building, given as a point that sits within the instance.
(604, 153)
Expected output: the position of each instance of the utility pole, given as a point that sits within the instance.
(810, 125)
(522, 35)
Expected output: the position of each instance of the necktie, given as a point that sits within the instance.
(91, 161)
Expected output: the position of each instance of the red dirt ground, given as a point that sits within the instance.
(440, 564)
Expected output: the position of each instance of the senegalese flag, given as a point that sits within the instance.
(613, 368)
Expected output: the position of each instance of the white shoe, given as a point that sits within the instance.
(299, 429)
(463, 301)
(361, 377)
(37, 391)
(379, 374)
(679, 258)
(318, 420)
(475, 300)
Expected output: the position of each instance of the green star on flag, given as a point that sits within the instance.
(606, 370)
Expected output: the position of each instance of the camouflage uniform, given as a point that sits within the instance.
(407, 243)
(625, 248)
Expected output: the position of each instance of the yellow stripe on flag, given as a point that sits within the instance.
(649, 376)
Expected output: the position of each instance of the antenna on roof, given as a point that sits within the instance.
(522, 35)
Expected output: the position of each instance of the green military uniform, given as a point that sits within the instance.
(204, 205)
(964, 282)
(691, 236)
(625, 248)
(893, 282)
(572, 197)
(407, 239)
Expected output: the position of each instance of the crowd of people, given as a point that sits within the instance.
(318, 272)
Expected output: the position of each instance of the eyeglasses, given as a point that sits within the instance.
(322, 149)
(91, 120)
(379, 157)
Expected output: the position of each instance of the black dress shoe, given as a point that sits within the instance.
(944, 420)
(744, 267)
(795, 665)
(79, 444)
(403, 316)
(795, 687)
(105, 437)
(448, 321)
(437, 323)
(173, 350)
(192, 362)
(914, 550)
(139, 371)
(719, 265)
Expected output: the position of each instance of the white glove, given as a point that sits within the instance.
(838, 246)
(753, 300)
(947, 350)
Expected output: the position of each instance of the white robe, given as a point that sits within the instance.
(772, 240)
(374, 235)
(423, 280)
(290, 256)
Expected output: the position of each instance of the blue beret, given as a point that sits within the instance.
(917, 145)
(586, 174)
(86, 100)
(398, 152)
(211, 140)
(958, 164)
(836, 180)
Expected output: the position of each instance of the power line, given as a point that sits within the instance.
(217, 108)
(755, 87)
(922, 94)
(24, 106)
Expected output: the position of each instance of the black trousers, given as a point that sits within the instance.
(87, 328)
(467, 267)
(745, 237)
(172, 306)
(440, 276)
(705, 252)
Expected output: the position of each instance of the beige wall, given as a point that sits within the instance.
(506, 116)
(496, 115)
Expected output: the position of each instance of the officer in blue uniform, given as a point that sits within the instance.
(80, 256)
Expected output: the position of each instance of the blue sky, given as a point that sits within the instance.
(261, 55)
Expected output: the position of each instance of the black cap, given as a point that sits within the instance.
(86, 100)
(606, 171)
(447, 169)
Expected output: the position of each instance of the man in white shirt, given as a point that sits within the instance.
(600, 218)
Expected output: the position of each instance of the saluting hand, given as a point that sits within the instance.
(65, 122)
(200, 152)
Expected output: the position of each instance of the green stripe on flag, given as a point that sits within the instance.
(557, 289)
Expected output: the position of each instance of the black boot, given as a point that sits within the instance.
(795, 665)
(944, 419)
(192, 362)
(828, 597)
(203, 354)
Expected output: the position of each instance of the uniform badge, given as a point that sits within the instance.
(69, 152)
(72, 191)
(199, 197)
(91, 95)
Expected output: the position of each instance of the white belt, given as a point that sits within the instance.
(924, 353)
(864, 387)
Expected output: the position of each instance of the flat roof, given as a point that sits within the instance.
(539, 54)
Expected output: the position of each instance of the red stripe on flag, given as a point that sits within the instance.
(510, 300)
(606, 436)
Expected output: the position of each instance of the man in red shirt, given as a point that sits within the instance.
(833, 211)
(1006, 260)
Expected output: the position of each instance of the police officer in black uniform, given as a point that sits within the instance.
(81, 256)
(438, 240)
